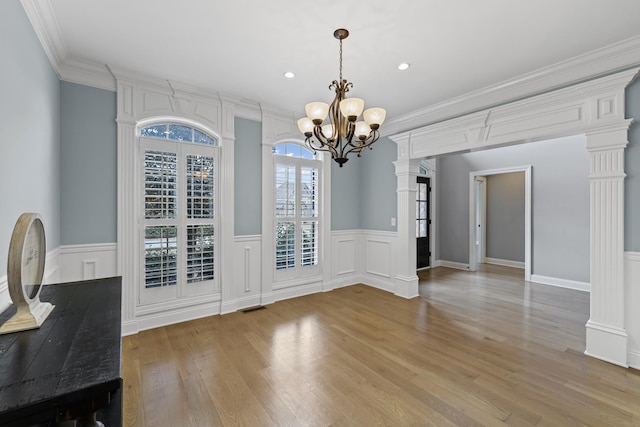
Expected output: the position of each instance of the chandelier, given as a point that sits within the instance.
(343, 134)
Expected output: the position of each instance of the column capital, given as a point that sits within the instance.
(407, 167)
(609, 136)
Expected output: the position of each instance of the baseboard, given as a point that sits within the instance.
(378, 282)
(452, 264)
(296, 291)
(247, 302)
(342, 282)
(561, 283)
(129, 328)
(633, 359)
(504, 262)
(165, 318)
(239, 304)
(607, 343)
(406, 286)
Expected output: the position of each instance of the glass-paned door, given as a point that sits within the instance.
(423, 222)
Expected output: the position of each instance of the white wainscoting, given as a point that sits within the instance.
(345, 260)
(379, 253)
(247, 274)
(363, 256)
(87, 262)
(632, 304)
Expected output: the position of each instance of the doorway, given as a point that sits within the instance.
(423, 223)
(481, 218)
(477, 216)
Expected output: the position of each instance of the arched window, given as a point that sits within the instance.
(177, 132)
(179, 220)
(297, 210)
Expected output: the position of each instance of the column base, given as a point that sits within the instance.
(406, 287)
(607, 343)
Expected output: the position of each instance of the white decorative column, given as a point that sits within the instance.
(227, 223)
(406, 279)
(606, 333)
(127, 243)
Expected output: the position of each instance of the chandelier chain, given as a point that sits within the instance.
(341, 61)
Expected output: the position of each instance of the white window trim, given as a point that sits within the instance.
(183, 148)
(276, 129)
(141, 100)
(298, 272)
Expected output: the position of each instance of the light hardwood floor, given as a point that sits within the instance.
(475, 349)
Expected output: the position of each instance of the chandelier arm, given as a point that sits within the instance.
(325, 143)
(374, 136)
(310, 145)
(319, 149)
(351, 131)
(317, 133)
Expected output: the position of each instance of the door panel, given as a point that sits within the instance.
(423, 222)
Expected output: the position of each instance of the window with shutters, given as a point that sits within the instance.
(297, 203)
(179, 218)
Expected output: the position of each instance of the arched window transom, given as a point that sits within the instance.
(177, 132)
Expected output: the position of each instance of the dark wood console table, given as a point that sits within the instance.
(69, 368)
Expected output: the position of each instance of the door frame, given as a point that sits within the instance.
(429, 223)
(473, 264)
(481, 218)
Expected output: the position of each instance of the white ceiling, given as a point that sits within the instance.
(243, 47)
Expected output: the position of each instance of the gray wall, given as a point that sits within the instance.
(248, 177)
(346, 194)
(364, 190)
(632, 168)
(379, 198)
(29, 119)
(560, 203)
(88, 165)
(505, 221)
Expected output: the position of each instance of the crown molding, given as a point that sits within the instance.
(616, 57)
(44, 24)
(87, 73)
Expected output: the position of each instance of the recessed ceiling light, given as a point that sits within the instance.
(289, 75)
(404, 66)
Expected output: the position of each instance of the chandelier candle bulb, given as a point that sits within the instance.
(327, 131)
(374, 116)
(317, 111)
(305, 125)
(362, 130)
(351, 108)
